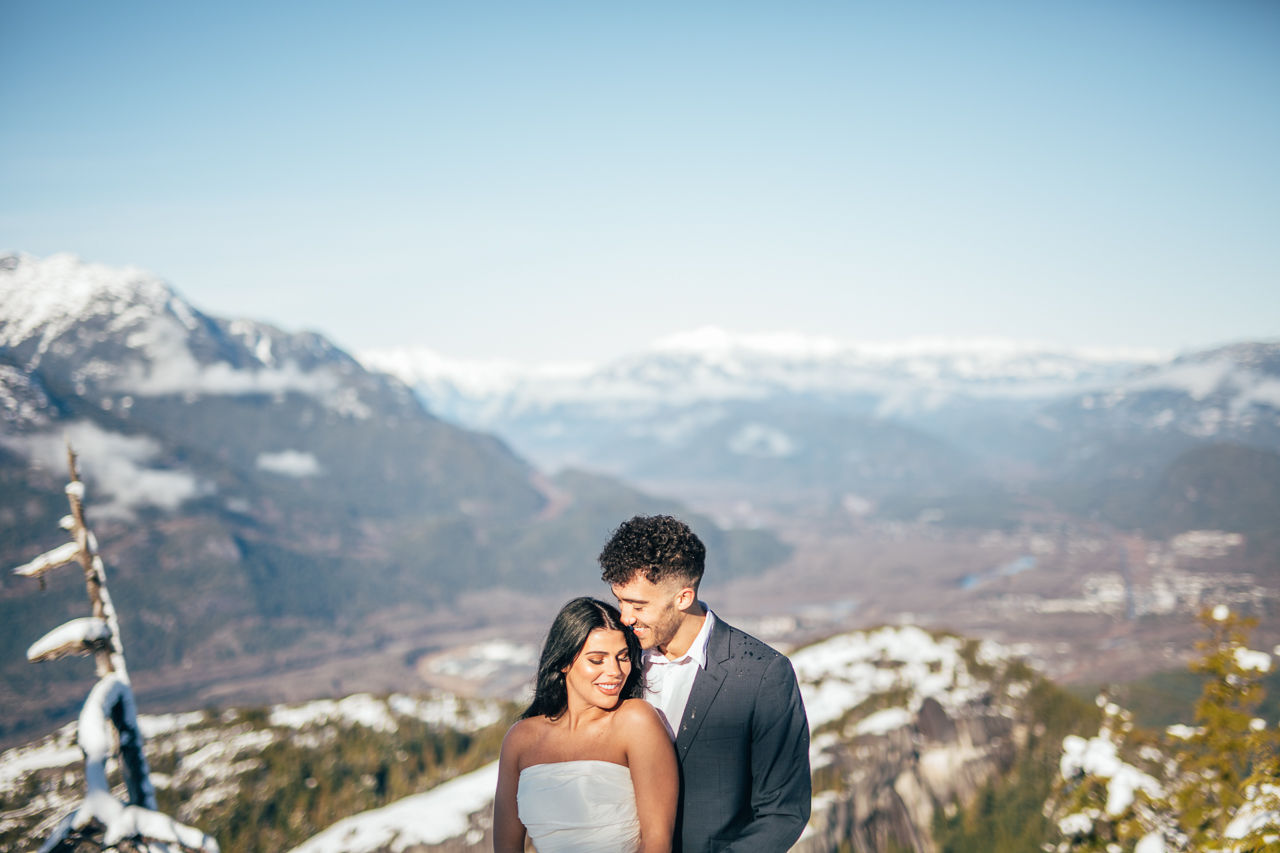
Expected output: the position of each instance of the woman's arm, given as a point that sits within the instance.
(508, 831)
(654, 775)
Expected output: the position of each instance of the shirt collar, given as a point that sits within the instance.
(698, 650)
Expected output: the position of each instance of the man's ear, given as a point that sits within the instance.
(685, 598)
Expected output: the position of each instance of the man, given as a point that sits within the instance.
(731, 703)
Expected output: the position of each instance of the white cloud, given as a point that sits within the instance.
(173, 370)
(761, 441)
(116, 467)
(1198, 379)
(289, 463)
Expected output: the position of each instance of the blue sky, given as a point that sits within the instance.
(571, 180)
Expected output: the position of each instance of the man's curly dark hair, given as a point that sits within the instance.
(660, 547)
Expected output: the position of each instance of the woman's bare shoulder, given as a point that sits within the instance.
(639, 716)
(635, 707)
(523, 733)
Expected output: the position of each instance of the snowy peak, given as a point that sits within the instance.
(1229, 392)
(789, 362)
(49, 296)
(712, 364)
(978, 356)
(100, 330)
(470, 378)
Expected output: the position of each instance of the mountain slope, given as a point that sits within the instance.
(263, 502)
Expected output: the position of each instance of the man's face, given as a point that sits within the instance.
(650, 609)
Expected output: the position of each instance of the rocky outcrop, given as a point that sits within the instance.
(885, 787)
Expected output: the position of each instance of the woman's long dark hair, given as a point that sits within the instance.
(568, 634)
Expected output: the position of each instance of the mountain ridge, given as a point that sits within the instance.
(713, 364)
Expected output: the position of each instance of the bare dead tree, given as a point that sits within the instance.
(108, 723)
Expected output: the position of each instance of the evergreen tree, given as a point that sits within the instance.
(1229, 759)
(1211, 787)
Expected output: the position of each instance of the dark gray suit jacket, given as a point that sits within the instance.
(743, 748)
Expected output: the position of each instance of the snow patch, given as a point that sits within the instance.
(883, 722)
(445, 709)
(289, 463)
(15, 764)
(1182, 732)
(1152, 842)
(1075, 824)
(1098, 756)
(485, 659)
(1249, 659)
(154, 725)
(429, 818)
(360, 709)
(844, 671)
(1252, 816)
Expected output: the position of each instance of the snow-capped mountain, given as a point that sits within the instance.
(712, 365)
(121, 331)
(1231, 392)
(152, 387)
(768, 418)
(779, 413)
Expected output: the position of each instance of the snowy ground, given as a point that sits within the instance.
(438, 815)
(215, 752)
(845, 671)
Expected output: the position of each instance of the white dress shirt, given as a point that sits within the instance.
(668, 682)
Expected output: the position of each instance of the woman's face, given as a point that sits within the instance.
(598, 672)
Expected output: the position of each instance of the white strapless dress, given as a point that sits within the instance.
(579, 807)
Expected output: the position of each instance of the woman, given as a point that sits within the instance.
(589, 768)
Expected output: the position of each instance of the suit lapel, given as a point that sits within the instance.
(706, 684)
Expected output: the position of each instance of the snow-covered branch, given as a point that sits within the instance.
(78, 637)
(109, 715)
(59, 556)
(111, 704)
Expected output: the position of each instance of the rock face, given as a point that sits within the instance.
(904, 722)
(888, 786)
